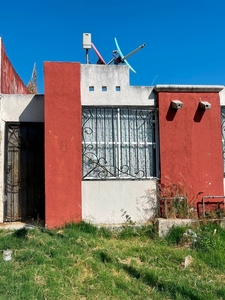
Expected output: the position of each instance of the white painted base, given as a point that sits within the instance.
(108, 202)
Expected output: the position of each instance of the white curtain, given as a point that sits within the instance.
(118, 143)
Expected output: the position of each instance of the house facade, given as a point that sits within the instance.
(95, 148)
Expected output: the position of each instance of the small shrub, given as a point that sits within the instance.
(152, 232)
(21, 233)
(127, 217)
(82, 227)
(105, 232)
(215, 214)
(175, 235)
(174, 199)
(127, 232)
(179, 207)
(208, 237)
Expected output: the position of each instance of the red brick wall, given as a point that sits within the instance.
(63, 143)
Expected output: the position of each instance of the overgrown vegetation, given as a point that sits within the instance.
(81, 261)
(175, 200)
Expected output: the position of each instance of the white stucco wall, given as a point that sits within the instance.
(22, 108)
(113, 76)
(103, 202)
(222, 97)
(16, 108)
(0, 64)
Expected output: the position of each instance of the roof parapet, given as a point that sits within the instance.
(188, 88)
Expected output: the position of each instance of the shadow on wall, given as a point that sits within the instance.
(34, 111)
(198, 114)
(171, 113)
(153, 95)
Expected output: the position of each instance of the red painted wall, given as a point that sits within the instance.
(63, 143)
(190, 143)
(10, 82)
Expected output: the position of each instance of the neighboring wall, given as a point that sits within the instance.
(109, 201)
(190, 140)
(16, 108)
(10, 82)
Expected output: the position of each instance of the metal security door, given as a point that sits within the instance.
(24, 172)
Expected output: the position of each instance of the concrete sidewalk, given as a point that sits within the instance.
(17, 225)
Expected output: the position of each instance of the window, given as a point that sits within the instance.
(118, 143)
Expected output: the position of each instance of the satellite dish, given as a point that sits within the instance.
(121, 58)
(118, 57)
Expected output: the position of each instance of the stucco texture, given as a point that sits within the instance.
(190, 143)
(10, 82)
(63, 169)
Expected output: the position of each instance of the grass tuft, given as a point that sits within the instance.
(175, 235)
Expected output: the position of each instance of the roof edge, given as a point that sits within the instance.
(188, 88)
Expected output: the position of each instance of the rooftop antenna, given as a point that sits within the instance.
(118, 57)
(87, 44)
(100, 58)
(123, 59)
(32, 84)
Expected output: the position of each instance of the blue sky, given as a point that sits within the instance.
(185, 40)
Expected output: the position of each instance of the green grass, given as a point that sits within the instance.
(80, 261)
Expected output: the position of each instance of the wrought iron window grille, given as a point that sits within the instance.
(119, 143)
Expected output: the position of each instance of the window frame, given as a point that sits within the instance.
(120, 172)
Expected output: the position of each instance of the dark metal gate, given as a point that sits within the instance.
(24, 172)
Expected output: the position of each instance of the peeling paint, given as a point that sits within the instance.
(11, 83)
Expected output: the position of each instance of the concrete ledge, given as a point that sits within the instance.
(17, 225)
(188, 88)
(165, 225)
